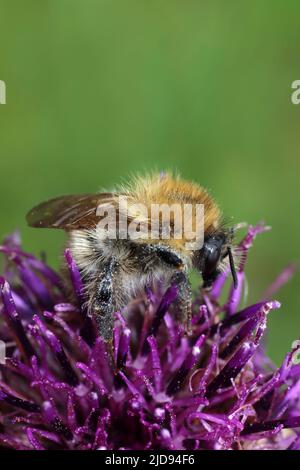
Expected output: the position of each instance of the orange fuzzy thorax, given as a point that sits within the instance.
(168, 189)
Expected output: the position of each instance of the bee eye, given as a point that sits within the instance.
(211, 256)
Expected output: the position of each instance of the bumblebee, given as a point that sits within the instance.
(115, 269)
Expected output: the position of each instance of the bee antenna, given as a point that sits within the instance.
(232, 268)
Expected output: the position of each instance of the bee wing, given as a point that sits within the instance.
(68, 212)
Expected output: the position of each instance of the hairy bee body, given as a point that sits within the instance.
(116, 270)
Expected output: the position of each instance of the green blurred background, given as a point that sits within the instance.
(99, 89)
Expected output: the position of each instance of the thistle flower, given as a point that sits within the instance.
(214, 390)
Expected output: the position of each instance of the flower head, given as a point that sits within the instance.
(214, 390)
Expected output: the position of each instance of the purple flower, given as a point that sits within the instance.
(214, 390)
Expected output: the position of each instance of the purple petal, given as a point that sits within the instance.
(75, 275)
(185, 368)
(12, 318)
(231, 369)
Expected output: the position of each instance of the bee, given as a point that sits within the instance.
(116, 269)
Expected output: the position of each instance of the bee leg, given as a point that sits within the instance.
(103, 306)
(183, 302)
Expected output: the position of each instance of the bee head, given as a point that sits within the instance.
(216, 247)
